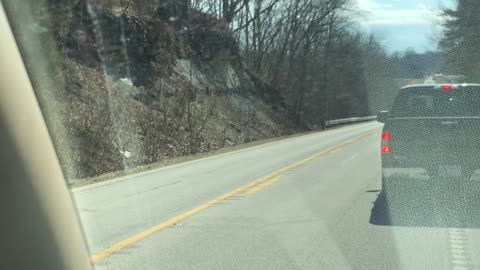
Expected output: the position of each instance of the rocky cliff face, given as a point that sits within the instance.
(139, 90)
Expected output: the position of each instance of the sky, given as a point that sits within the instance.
(403, 24)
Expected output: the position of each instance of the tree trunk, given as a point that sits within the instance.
(225, 9)
(247, 31)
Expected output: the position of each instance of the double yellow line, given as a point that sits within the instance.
(263, 185)
(249, 189)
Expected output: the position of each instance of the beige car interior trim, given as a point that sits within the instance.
(38, 225)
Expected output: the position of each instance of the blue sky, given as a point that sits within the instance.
(403, 24)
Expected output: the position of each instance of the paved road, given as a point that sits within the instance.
(310, 202)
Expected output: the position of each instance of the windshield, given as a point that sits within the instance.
(430, 102)
(243, 134)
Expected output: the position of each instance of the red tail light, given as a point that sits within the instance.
(386, 136)
(385, 149)
(446, 87)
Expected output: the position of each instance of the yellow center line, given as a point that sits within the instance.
(275, 179)
(335, 150)
(263, 185)
(127, 242)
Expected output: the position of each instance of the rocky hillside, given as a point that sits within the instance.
(143, 89)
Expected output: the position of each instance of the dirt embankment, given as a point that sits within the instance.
(140, 90)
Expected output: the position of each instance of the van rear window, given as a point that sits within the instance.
(433, 102)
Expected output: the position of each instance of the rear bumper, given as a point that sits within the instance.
(428, 161)
(425, 168)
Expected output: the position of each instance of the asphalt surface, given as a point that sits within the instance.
(311, 202)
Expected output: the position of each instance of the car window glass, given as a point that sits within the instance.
(429, 102)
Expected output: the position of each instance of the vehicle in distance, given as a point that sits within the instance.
(431, 135)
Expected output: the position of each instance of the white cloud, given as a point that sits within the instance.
(387, 14)
(398, 17)
(369, 5)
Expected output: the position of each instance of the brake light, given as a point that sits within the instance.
(386, 149)
(386, 136)
(446, 87)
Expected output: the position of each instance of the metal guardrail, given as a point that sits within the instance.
(332, 123)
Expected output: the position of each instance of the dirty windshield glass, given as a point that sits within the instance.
(247, 134)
